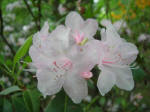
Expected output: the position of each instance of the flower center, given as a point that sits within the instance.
(80, 39)
(87, 75)
(64, 64)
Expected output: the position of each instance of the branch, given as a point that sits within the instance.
(30, 11)
(2, 34)
(39, 13)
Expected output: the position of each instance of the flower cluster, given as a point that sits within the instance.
(65, 57)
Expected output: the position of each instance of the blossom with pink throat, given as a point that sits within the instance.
(80, 29)
(116, 56)
(60, 62)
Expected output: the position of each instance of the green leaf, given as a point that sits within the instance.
(32, 100)
(22, 50)
(57, 104)
(10, 90)
(102, 101)
(27, 100)
(7, 107)
(96, 109)
(18, 104)
(139, 74)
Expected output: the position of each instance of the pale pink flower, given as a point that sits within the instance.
(61, 9)
(60, 62)
(81, 36)
(116, 56)
(81, 30)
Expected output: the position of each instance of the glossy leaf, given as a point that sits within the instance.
(32, 100)
(22, 50)
(10, 90)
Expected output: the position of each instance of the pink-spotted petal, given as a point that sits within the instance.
(38, 58)
(49, 82)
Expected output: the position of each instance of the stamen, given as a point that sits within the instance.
(55, 64)
(67, 65)
(110, 62)
(78, 38)
(62, 65)
(84, 42)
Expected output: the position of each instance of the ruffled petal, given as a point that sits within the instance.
(106, 80)
(76, 87)
(89, 28)
(49, 82)
(74, 21)
(124, 78)
(112, 36)
(119, 76)
(41, 35)
(61, 37)
(128, 52)
(87, 56)
(39, 59)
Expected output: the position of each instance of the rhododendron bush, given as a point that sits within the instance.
(73, 56)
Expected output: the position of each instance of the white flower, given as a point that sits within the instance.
(88, 99)
(96, 1)
(60, 62)
(61, 9)
(8, 29)
(116, 56)
(118, 25)
(143, 37)
(81, 36)
(21, 41)
(27, 28)
(12, 39)
(11, 6)
(9, 17)
(81, 30)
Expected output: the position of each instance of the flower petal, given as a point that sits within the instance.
(85, 57)
(61, 36)
(103, 34)
(75, 87)
(106, 80)
(105, 22)
(74, 21)
(49, 82)
(42, 34)
(112, 36)
(39, 59)
(89, 28)
(124, 79)
(128, 52)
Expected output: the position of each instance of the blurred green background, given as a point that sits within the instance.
(19, 19)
